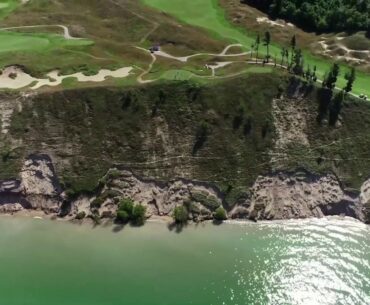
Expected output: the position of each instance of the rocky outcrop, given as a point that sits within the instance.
(365, 199)
(280, 195)
(160, 198)
(38, 188)
(298, 195)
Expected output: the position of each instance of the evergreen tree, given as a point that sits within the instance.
(293, 45)
(282, 56)
(266, 42)
(332, 77)
(257, 44)
(298, 62)
(350, 77)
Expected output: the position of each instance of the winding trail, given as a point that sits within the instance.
(145, 72)
(222, 54)
(216, 66)
(184, 59)
(66, 33)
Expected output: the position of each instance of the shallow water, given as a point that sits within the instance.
(294, 262)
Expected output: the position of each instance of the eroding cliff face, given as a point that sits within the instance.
(280, 195)
(160, 198)
(365, 199)
(37, 188)
(299, 195)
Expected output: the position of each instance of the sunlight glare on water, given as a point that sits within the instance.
(301, 262)
(309, 262)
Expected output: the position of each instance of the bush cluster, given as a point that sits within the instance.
(128, 211)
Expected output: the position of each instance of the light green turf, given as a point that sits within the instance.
(7, 6)
(16, 42)
(177, 75)
(209, 15)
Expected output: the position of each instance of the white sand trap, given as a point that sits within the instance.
(21, 79)
(279, 22)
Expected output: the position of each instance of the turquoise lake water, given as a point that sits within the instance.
(308, 262)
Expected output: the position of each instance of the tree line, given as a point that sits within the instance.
(319, 15)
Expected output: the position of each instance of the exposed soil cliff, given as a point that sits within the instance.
(276, 196)
(257, 150)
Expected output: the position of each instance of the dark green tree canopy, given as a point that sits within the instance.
(319, 15)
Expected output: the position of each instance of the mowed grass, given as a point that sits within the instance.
(15, 41)
(208, 14)
(7, 6)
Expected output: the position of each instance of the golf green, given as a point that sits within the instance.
(209, 15)
(15, 42)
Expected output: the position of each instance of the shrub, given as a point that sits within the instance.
(180, 215)
(129, 211)
(97, 203)
(123, 216)
(126, 205)
(81, 215)
(110, 194)
(207, 200)
(220, 214)
(138, 214)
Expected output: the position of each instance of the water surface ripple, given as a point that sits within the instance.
(305, 262)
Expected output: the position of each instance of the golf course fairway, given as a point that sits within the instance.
(7, 6)
(15, 41)
(209, 15)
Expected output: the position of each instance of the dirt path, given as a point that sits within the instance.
(145, 72)
(222, 54)
(214, 67)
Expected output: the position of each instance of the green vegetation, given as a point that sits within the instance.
(89, 131)
(209, 201)
(319, 15)
(220, 214)
(208, 14)
(181, 215)
(81, 215)
(138, 215)
(7, 6)
(29, 42)
(97, 203)
(128, 211)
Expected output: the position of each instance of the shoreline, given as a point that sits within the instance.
(168, 221)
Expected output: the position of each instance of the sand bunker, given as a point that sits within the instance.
(341, 52)
(280, 23)
(15, 78)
